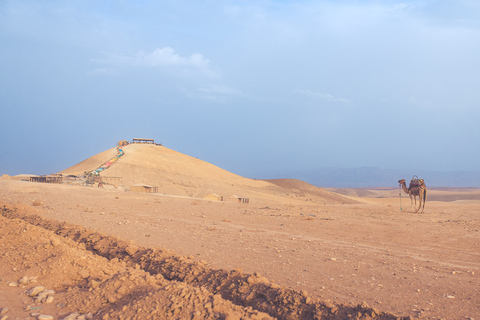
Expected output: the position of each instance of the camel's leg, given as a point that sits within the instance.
(411, 201)
(415, 199)
(420, 197)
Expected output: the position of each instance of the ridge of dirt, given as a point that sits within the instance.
(304, 188)
(88, 286)
(175, 173)
(141, 283)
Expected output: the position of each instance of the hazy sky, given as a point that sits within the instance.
(255, 87)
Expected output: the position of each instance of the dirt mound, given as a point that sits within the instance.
(90, 164)
(175, 173)
(90, 275)
(305, 189)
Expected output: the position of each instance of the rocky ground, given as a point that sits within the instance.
(54, 270)
(83, 253)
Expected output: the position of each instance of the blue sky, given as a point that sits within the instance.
(255, 87)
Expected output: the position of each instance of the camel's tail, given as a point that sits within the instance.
(424, 198)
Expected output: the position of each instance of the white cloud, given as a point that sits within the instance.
(167, 57)
(163, 57)
(322, 96)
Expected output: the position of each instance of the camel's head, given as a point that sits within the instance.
(401, 181)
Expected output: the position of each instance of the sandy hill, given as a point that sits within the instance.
(175, 173)
(91, 163)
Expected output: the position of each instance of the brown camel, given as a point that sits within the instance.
(419, 191)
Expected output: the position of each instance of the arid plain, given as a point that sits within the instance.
(302, 252)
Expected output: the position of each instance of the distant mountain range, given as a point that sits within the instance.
(368, 177)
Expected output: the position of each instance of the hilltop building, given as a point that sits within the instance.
(138, 140)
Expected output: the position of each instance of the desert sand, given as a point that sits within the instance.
(294, 251)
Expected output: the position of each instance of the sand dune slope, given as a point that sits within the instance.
(175, 173)
(306, 190)
(91, 163)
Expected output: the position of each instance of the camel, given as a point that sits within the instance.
(416, 191)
